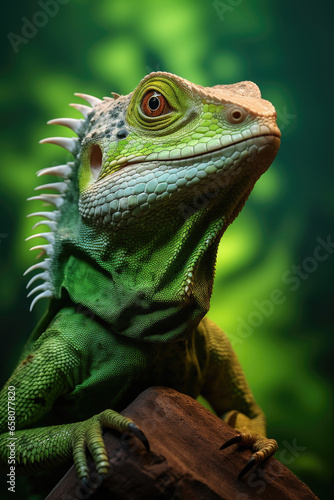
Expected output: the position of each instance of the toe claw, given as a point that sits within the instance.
(139, 434)
(84, 482)
(251, 462)
(234, 440)
(262, 446)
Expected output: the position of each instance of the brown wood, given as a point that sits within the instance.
(185, 461)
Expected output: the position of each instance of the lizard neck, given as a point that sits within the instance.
(152, 283)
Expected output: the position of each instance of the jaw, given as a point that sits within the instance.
(257, 165)
(152, 191)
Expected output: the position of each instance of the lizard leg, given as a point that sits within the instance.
(226, 389)
(46, 447)
(50, 370)
(39, 379)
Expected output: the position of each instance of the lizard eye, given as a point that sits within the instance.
(154, 104)
(235, 114)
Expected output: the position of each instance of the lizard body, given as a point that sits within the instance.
(158, 175)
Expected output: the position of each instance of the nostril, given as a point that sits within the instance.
(95, 160)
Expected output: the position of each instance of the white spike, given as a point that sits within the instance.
(115, 95)
(46, 294)
(39, 288)
(82, 108)
(51, 224)
(48, 249)
(52, 215)
(58, 186)
(44, 264)
(72, 123)
(69, 143)
(60, 170)
(93, 101)
(41, 276)
(107, 98)
(55, 199)
(47, 236)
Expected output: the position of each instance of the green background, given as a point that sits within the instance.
(103, 46)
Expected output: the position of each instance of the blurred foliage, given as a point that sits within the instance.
(103, 46)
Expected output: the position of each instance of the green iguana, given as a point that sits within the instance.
(158, 175)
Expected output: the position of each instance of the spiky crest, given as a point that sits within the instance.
(71, 144)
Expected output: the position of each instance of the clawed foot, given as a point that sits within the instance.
(263, 448)
(88, 434)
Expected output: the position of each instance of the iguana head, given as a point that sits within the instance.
(157, 176)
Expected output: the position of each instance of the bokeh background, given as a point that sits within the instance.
(103, 46)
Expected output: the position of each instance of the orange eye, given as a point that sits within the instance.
(154, 104)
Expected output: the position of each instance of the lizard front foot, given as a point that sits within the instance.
(263, 448)
(88, 434)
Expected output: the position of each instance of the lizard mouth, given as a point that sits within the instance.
(107, 200)
(270, 139)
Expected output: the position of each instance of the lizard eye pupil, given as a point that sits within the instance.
(154, 104)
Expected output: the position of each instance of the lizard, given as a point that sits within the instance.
(129, 260)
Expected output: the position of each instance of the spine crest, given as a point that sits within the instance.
(51, 218)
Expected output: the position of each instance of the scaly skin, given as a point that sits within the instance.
(158, 176)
